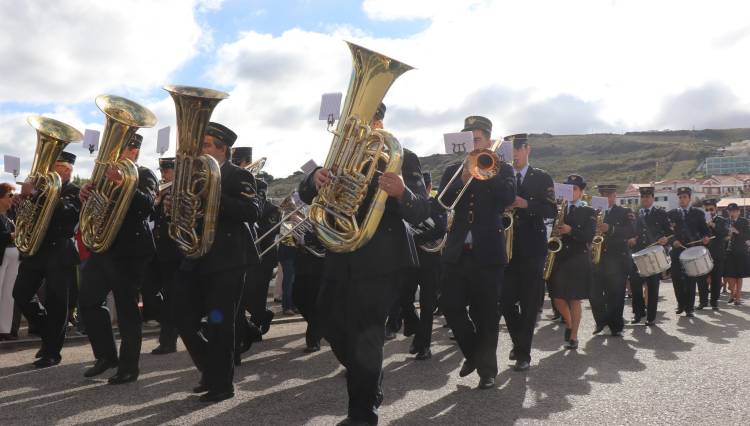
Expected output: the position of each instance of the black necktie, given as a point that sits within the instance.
(518, 180)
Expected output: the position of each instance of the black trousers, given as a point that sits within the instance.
(150, 292)
(101, 274)
(427, 277)
(468, 284)
(260, 279)
(305, 291)
(715, 275)
(684, 286)
(523, 289)
(352, 312)
(50, 318)
(607, 297)
(167, 314)
(639, 306)
(216, 296)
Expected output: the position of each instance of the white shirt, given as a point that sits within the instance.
(522, 172)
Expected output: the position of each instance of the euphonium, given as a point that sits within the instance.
(508, 222)
(256, 166)
(357, 155)
(103, 212)
(35, 211)
(554, 243)
(197, 177)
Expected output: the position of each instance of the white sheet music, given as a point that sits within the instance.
(162, 140)
(461, 142)
(564, 191)
(505, 151)
(91, 140)
(12, 164)
(599, 203)
(309, 167)
(330, 106)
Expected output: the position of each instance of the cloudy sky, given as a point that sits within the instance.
(561, 67)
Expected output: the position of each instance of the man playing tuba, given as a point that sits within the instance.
(119, 269)
(53, 264)
(359, 286)
(211, 285)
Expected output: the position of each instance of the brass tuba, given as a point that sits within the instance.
(554, 243)
(197, 178)
(103, 212)
(35, 211)
(358, 153)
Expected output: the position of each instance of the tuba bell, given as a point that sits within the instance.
(35, 211)
(103, 212)
(197, 177)
(357, 154)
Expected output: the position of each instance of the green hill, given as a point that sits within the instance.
(600, 158)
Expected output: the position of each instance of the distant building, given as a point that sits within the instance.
(727, 165)
(631, 197)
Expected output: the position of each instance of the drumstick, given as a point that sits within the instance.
(700, 241)
(656, 243)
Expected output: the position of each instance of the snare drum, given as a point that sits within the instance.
(651, 261)
(696, 261)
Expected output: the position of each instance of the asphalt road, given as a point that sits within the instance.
(684, 371)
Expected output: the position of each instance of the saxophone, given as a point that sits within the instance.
(103, 212)
(554, 243)
(197, 178)
(356, 156)
(35, 211)
(597, 244)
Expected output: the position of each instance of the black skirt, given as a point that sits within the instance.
(736, 265)
(572, 277)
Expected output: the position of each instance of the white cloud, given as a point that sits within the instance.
(73, 50)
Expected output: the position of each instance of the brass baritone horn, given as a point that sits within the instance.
(356, 155)
(34, 212)
(103, 212)
(196, 190)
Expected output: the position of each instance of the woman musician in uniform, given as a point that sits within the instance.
(736, 263)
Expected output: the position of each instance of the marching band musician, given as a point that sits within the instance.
(474, 258)
(119, 269)
(167, 261)
(359, 286)
(523, 287)
(572, 272)
(719, 227)
(308, 270)
(737, 261)
(212, 285)
(426, 276)
(652, 227)
(689, 226)
(608, 290)
(52, 264)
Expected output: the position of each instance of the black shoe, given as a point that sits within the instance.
(39, 353)
(213, 396)
(598, 329)
(47, 361)
(423, 355)
(512, 355)
(121, 378)
(521, 366)
(617, 334)
(556, 316)
(636, 320)
(679, 310)
(265, 323)
(700, 306)
(237, 359)
(390, 335)
(650, 323)
(100, 367)
(731, 299)
(567, 334)
(486, 383)
(690, 314)
(200, 388)
(466, 369)
(163, 350)
(572, 344)
(409, 330)
(413, 348)
(715, 307)
(312, 348)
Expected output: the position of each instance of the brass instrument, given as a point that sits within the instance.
(256, 166)
(103, 212)
(597, 244)
(356, 155)
(508, 223)
(197, 179)
(426, 226)
(554, 242)
(34, 212)
(293, 225)
(482, 163)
